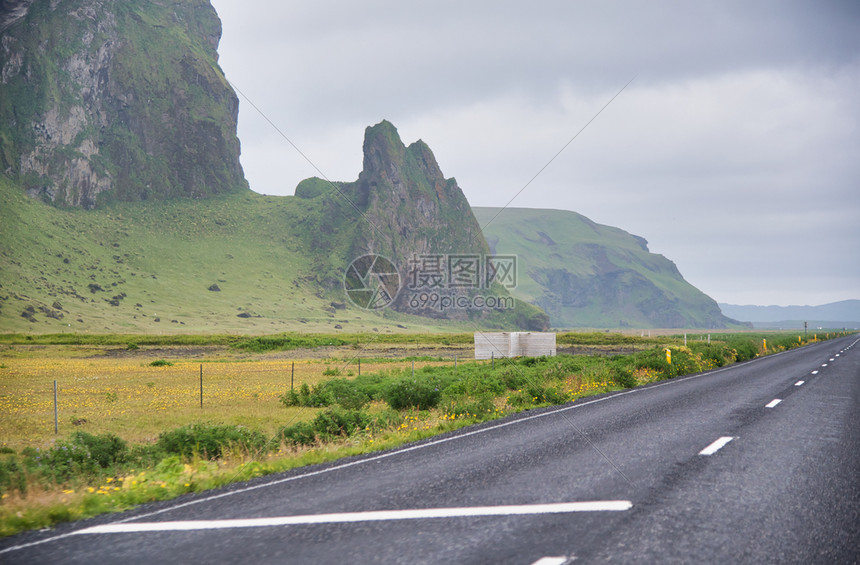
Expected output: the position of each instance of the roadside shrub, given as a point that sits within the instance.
(410, 393)
(623, 377)
(534, 394)
(12, 476)
(329, 424)
(744, 349)
(514, 378)
(82, 454)
(715, 355)
(372, 385)
(530, 361)
(302, 433)
(160, 363)
(549, 395)
(346, 394)
(337, 422)
(476, 385)
(105, 450)
(209, 440)
(388, 418)
(314, 397)
(480, 408)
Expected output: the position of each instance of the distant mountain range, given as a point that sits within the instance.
(845, 313)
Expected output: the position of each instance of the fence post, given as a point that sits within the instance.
(292, 375)
(201, 385)
(359, 366)
(56, 421)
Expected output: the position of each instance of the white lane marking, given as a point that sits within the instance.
(551, 561)
(407, 449)
(372, 516)
(832, 359)
(837, 355)
(772, 403)
(716, 446)
(814, 372)
(798, 383)
(824, 364)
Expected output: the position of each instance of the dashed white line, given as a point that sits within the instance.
(815, 372)
(832, 359)
(773, 403)
(716, 446)
(348, 517)
(551, 561)
(824, 364)
(799, 383)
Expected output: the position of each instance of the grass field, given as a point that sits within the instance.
(136, 401)
(131, 428)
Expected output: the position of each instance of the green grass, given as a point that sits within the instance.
(566, 261)
(86, 474)
(156, 262)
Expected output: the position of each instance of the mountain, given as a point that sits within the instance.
(103, 101)
(585, 274)
(243, 262)
(403, 209)
(845, 313)
(118, 123)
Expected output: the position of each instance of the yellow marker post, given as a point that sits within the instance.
(764, 344)
(669, 356)
(798, 339)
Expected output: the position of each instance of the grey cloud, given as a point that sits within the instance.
(743, 118)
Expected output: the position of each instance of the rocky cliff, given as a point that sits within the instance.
(585, 274)
(403, 208)
(103, 100)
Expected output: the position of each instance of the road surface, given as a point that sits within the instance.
(758, 462)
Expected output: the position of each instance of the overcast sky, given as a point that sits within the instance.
(735, 151)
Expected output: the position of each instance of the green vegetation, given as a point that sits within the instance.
(585, 274)
(105, 270)
(159, 120)
(85, 474)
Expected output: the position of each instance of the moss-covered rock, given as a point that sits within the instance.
(104, 101)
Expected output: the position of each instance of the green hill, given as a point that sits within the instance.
(147, 267)
(585, 274)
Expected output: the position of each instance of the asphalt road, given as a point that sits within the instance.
(754, 463)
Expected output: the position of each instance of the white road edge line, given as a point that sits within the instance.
(349, 517)
(551, 561)
(716, 446)
(798, 383)
(399, 451)
(773, 403)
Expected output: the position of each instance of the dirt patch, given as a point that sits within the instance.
(165, 352)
